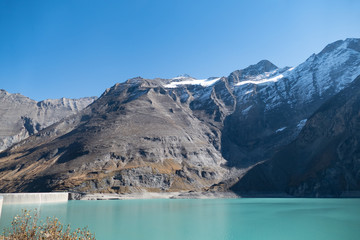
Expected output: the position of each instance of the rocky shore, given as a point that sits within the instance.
(152, 195)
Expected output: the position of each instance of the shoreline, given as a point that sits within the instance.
(16, 198)
(152, 195)
(193, 195)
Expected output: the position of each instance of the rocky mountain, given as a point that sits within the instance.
(272, 107)
(134, 137)
(324, 160)
(181, 133)
(22, 116)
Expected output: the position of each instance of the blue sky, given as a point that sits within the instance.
(77, 48)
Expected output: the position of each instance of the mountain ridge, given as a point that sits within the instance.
(22, 116)
(180, 134)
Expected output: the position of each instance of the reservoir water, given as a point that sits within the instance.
(210, 219)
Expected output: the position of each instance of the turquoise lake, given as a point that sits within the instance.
(250, 218)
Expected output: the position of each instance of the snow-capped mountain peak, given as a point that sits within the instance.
(332, 69)
(261, 67)
(321, 75)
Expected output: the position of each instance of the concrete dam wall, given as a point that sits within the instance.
(22, 198)
(1, 202)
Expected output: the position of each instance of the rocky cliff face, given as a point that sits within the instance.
(324, 158)
(136, 136)
(182, 133)
(22, 117)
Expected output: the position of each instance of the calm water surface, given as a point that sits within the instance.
(288, 219)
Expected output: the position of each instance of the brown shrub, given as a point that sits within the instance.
(27, 226)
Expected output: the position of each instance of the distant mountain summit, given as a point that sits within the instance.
(349, 43)
(252, 71)
(185, 134)
(22, 117)
(259, 68)
(183, 76)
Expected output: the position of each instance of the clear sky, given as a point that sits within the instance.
(77, 48)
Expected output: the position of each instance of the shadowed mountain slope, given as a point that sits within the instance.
(322, 161)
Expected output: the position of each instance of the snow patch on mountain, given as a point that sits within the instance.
(267, 77)
(301, 124)
(191, 81)
(280, 129)
(246, 110)
(261, 81)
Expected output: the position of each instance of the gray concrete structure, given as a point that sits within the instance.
(21, 198)
(1, 202)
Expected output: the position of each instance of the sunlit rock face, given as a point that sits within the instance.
(22, 117)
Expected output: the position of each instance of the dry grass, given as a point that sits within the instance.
(27, 226)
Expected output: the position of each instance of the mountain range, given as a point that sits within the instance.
(261, 130)
(22, 117)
